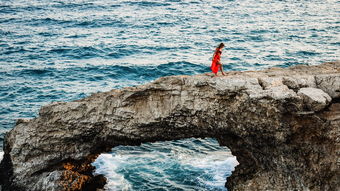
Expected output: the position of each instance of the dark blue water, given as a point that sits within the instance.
(64, 50)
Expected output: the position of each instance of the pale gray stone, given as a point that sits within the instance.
(329, 84)
(314, 98)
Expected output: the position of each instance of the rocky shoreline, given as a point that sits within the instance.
(282, 124)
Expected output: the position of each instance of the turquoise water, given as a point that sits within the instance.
(190, 164)
(65, 50)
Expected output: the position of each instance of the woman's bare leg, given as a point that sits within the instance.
(221, 68)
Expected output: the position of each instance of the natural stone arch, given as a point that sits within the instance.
(281, 124)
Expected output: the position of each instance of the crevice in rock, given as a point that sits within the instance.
(261, 83)
(6, 170)
(336, 100)
(97, 182)
(290, 85)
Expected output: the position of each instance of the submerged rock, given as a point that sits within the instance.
(281, 124)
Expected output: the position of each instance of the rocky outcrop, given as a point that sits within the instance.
(281, 124)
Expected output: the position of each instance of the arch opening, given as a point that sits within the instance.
(184, 164)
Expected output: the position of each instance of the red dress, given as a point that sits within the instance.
(214, 66)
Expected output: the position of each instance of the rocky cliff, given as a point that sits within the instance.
(282, 125)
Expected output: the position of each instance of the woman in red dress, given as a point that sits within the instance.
(216, 62)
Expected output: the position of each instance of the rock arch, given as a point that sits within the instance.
(281, 124)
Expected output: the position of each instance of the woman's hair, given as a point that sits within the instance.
(221, 45)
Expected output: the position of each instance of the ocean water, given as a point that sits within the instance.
(62, 50)
(190, 164)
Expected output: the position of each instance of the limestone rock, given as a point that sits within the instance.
(295, 83)
(314, 98)
(329, 83)
(264, 117)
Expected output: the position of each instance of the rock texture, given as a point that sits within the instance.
(281, 124)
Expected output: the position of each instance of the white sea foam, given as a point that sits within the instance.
(198, 161)
(219, 164)
(1, 155)
(107, 165)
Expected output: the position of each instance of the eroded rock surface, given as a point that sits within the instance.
(281, 124)
(315, 98)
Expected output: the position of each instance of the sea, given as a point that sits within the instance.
(64, 50)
